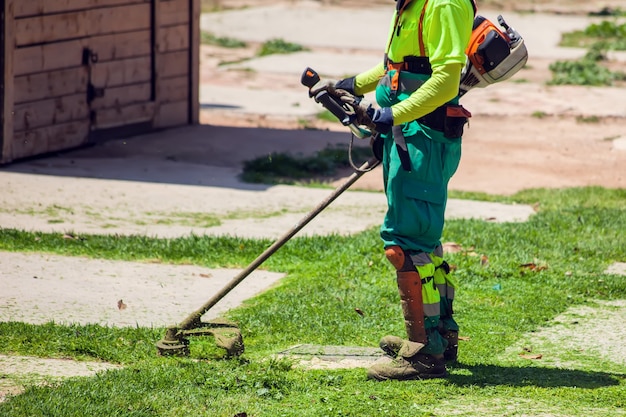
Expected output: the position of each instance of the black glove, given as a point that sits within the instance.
(346, 84)
(380, 120)
(383, 119)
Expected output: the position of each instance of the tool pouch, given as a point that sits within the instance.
(455, 119)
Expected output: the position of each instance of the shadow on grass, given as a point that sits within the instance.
(532, 376)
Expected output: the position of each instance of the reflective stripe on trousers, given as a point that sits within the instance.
(430, 293)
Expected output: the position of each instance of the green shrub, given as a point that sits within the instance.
(612, 36)
(279, 46)
(585, 71)
(284, 168)
(207, 38)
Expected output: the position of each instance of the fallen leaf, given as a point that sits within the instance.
(535, 356)
(484, 260)
(121, 305)
(359, 311)
(451, 247)
(490, 219)
(534, 267)
(206, 275)
(465, 338)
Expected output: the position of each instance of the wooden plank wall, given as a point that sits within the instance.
(144, 66)
(51, 108)
(173, 63)
(6, 133)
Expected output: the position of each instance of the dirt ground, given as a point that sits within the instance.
(523, 133)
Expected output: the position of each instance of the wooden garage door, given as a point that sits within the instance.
(80, 66)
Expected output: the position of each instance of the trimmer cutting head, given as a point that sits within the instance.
(173, 347)
(227, 336)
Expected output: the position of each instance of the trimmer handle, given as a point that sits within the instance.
(309, 79)
(333, 104)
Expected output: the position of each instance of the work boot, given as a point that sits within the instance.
(419, 366)
(396, 346)
(391, 345)
(452, 350)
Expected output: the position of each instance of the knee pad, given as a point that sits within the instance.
(399, 259)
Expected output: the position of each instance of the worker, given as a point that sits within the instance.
(420, 124)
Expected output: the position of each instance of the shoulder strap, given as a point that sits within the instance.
(474, 6)
(401, 6)
(421, 30)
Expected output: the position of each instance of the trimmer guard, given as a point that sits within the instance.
(227, 336)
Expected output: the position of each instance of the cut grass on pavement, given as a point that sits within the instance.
(514, 279)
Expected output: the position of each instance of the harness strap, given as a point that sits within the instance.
(403, 151)
(409, 64)
(401, 6)
(420, 28)
(445, 266)
(427, 280)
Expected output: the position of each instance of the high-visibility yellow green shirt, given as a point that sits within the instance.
(446, 30)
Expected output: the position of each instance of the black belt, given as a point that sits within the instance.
(435, 119)
(413, 64)
(418, 65)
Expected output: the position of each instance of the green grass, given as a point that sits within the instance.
(588, 119)
(609, 11)
(612, 34)
(285, 168)
(539, 114)
(279, 46)
(225, 42)
(585, 71)
(589, 70)
(575, 234)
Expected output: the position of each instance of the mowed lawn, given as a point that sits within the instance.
(515, 278)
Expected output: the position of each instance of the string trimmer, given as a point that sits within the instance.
(494, 55)
(227, 334)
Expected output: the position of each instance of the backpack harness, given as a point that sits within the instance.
(418, 65)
